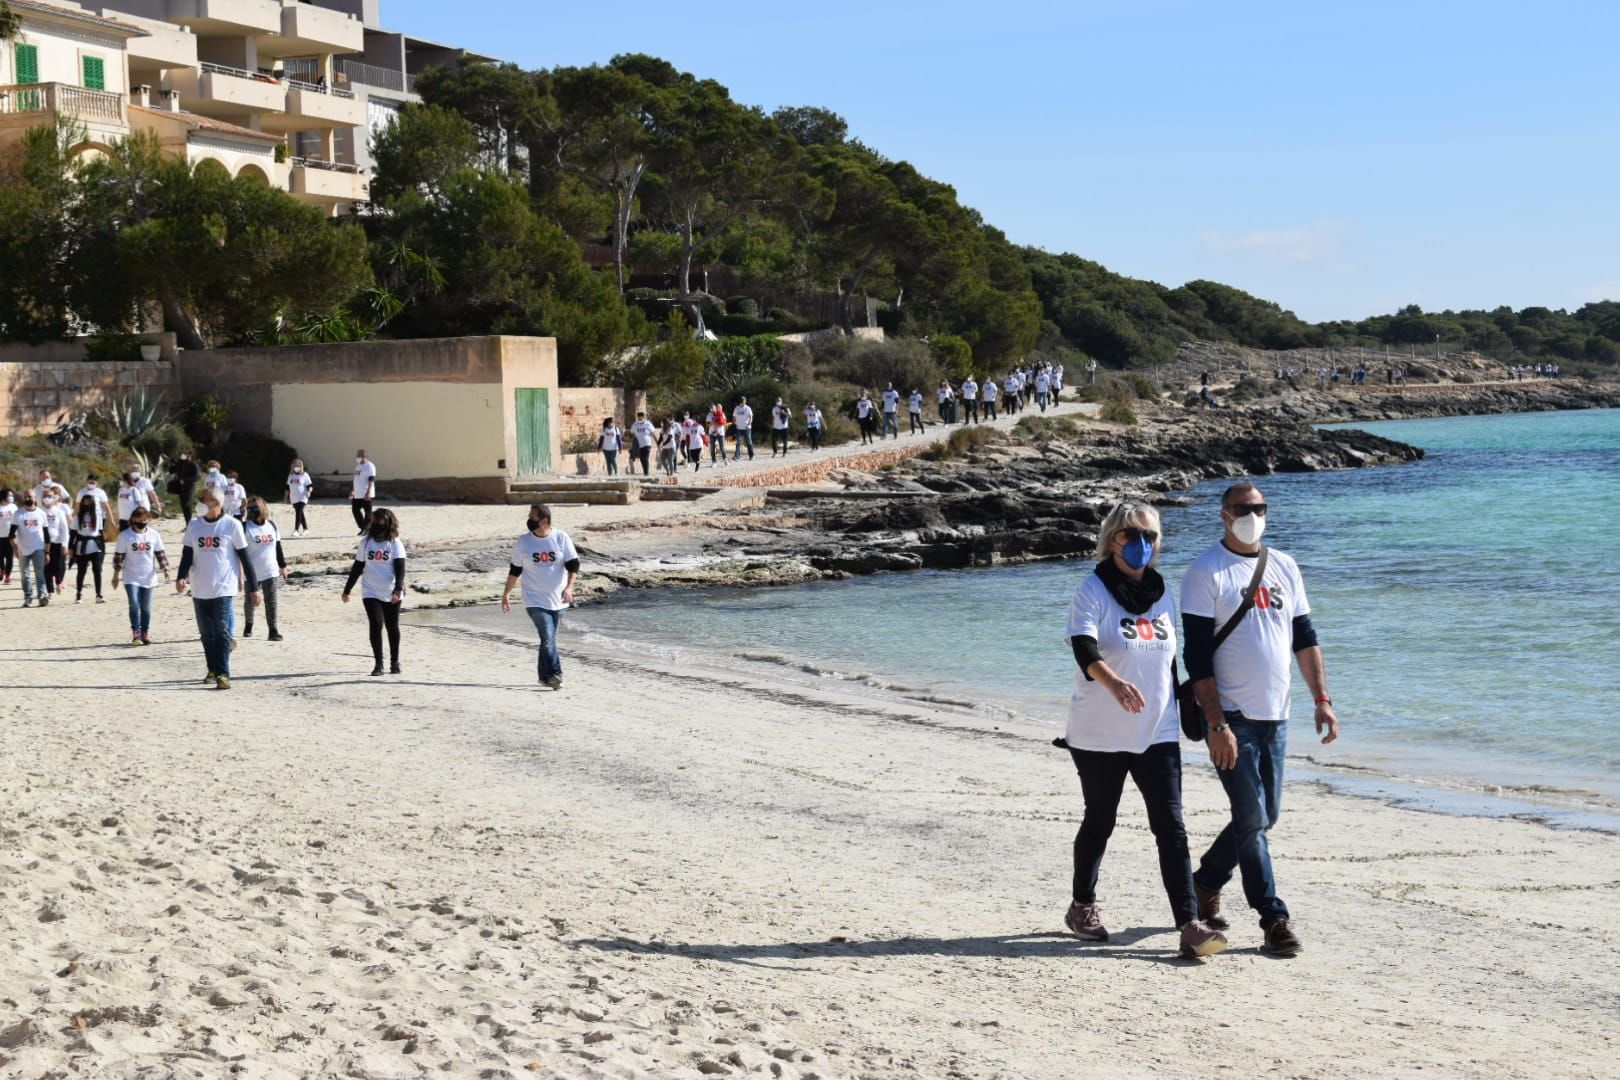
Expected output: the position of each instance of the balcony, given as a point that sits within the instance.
(307, 29)
(31, 105)
(312, 107)
(216, 18)
(164, 47)
(228, 93)
(327, 182)
(382, 78)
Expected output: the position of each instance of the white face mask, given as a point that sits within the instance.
(1249, 528)
(136, 475)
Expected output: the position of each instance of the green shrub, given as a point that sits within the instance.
(1118, 412)
(204, 417)
(113, 348)
(742, 305)
(1145, 388)
(961, 441)
(21, 458)
(582, 442)
(908, 364)
(167, 441)
(134, 415)
(1462, 377)
(1048, 427)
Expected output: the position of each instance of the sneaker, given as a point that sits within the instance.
(101, 599)
(1281, 939)
(247, 632)
(1209, 908)
(135, 639)
(274, 637)
(1084, 922)
(146, 639)
(1198, 940)
(44, 601)
(555, 682)
(78, 599)
(28, 603)
(222, 682)
(210, 679)
(377, 670)
(393, 669)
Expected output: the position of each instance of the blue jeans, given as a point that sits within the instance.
(547, 622)
(33, 573)
(1254, 789)
(745, 437)
(214, 619)
(891, 424)
(140, 607)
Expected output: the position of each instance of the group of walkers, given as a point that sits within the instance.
(44, 533)
(1244, 618)
(686, 439)
(1520, 372)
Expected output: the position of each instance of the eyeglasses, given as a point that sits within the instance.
(1132, 535)
(1245, 509)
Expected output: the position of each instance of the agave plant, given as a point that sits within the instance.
(133, 416)
(154, 467)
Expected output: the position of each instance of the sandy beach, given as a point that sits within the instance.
(687, 872)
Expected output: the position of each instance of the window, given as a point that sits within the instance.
(27, 63)
(95, 73)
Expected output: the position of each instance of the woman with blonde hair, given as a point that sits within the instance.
(1124, 721)
(269, 563)
(299, 486)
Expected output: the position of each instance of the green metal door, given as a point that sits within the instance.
(533, 432)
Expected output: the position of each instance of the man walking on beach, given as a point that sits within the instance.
(891, 412)
(1243, 614)
(364, 489)
(742, 422)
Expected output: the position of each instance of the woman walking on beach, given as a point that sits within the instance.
(545, 562)
(363, 490)
(131, 497)
(215, 564)
(815, 425)
(58, 536)
(380, 561)
(8, 515)
(642, 436)
(609, 442)
(89, 551)
(1124, 720)
(865, 416)
(299, 486)
(668, 439)
(781, 417)
(717, 434)
(235, 497)
(184, 485)
(693, 438)
(137, 557)
(269, 563)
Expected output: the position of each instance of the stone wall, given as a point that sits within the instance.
(809, 468)
(581, 410)
(36, 396)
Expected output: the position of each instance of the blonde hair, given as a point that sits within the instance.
(264, 508)
(1126, 515)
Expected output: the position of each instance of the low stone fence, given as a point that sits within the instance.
(582, 409)
(36, 396)
(806, 467)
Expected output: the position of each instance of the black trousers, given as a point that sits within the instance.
(383, 615)
(55, 566)
(361, 509)
(298, 516)
(989, 410)
(89, 562)
(188, 500)
(642, 454)
(916, 422)
(867, 428)
(815, 437)
(1157, 773)
(5, 559)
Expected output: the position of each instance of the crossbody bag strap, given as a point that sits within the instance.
(1248, 599)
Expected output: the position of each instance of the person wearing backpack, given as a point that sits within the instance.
(1244, 613)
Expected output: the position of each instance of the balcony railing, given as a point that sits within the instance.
(327, 166)
(240, 73)
(319, 88)
(381, 77)
(62, 98)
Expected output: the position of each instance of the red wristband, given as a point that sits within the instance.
(1324, 700)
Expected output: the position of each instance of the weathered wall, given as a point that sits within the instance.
(582, 409)
(526, 363)
(37, 396)
(327, 422)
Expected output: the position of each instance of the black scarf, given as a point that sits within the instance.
(1134, 596)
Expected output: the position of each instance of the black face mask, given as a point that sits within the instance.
(138, 526)
(534, 524)
(379, 532)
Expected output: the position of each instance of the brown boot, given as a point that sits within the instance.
(1281, 939)
(1209, 907)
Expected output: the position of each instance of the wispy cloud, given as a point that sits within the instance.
(1296, 244)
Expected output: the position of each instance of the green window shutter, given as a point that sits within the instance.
(95, 73)
(27, 63)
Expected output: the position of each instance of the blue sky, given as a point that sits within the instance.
(1342, 159)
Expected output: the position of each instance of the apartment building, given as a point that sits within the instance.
(288, 91)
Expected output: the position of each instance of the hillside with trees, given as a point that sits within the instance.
(611, 206)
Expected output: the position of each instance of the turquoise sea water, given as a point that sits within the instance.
(1469, 606)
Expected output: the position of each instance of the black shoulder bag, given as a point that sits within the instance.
(1192, 713)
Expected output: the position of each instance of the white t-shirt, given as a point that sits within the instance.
(262, 541)
(944, 394)
(742, 417)
(779, 417)
(970, 391)
(8, 512)
(215, 480)
(1010, 385)
(144, 483)
(299, 485)
(611, 438)
(57, 525)
(544, 562)
(378, 558)
(51, 487)
(90, 532)
(863, 408)
(30, 530)
(1252, 666)
(235, 495)
(891, 401)
(97, 493)
(916, 402)
(812, 417)
(643, 432)
(365, 473)
(692, 434)
(215, 571)
(1137, 648)
(989, 389)
(131, 498)
(1042, 383)
(140, 551)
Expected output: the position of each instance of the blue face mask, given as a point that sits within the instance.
(1136, 553)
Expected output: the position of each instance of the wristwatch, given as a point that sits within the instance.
(1217, 728)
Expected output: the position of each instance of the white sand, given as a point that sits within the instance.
(657, 872)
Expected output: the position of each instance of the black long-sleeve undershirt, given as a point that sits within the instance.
(1086, 653)
(359, 568)
(1198, 638)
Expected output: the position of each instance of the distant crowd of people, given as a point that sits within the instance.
(232, 547)
(683, 440)
(1520, 372)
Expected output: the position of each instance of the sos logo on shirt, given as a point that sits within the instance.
(378, 556)
(545, 556)
(146, 546)
(208, 542)
(1150, 632)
